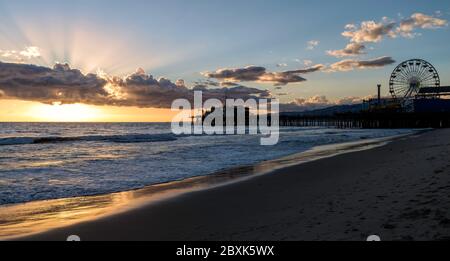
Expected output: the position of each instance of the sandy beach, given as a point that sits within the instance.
(205, 121)
(399, 191)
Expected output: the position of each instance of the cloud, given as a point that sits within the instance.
(370, 31)
(311, 69)
(350, 65)
(307, 62)
(62, 84)
(30, 82)
(373, 32)
(352, 49)
(228, 84)
(311, 45)
(306, 104)
(207, 83)
(318, 102)
(31, 52)
(260, 74)
(351, 27)
(249, 73)
(142, 90)
(349, 100)
(419, 20)
(284, 78)
(282, 65)
(28, 53)
(315, 100)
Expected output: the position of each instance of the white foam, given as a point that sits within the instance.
(128, 156)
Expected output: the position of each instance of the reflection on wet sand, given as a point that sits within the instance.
(34, 217)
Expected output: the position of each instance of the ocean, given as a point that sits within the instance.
(40, 161)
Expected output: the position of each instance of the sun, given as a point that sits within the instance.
(65, 113)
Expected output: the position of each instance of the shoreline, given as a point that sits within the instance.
(90, 208)
(399, 192)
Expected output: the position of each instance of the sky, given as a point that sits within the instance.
(289, 49)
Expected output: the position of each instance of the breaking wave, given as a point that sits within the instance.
(128, 138)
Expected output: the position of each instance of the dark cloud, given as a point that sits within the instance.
(228, 84)
(282, 78)
(237, 92)
(349, 65)
(260, 74)
(62, 84)
(311, 69)
(249, 73)
(30, 82)
(206, 83)
(378, 62)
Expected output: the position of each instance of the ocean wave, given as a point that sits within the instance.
(126, 138)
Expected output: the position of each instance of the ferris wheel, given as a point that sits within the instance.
(410, 76)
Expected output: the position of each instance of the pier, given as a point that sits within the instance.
(370, 120)
(417, 101)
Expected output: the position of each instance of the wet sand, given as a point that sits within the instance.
(400, 191)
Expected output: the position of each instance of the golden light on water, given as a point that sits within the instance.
(40, 216)
(27, 111)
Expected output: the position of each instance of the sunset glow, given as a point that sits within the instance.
(143, 62)
(65, 113)
(223, 122)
